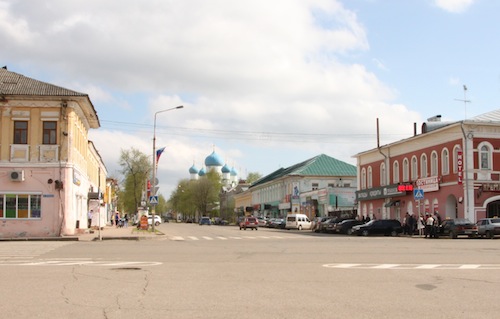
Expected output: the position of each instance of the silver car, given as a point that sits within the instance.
(488, 227)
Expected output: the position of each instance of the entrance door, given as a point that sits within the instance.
(493, 209)
(451, 207)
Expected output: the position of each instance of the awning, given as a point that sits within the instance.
(392, 203)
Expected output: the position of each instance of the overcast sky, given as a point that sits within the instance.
(267, 84)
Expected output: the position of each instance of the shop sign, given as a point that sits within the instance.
(429, 184)
(460, 166)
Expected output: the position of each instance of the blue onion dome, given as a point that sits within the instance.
(225, 169)
(202, 172)
(193, 170)
(213, 160)
(234, 172)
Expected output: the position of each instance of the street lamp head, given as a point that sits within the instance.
(180, 107)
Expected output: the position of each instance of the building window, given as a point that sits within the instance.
(383, 175)
(423, 166)
(445, 162)
(370, 176)
(395, 172)
(20, 132)
(406, 170)
(363, 178)
(434, 163)
(484, 157)
(414, 168)
(50, 132)
(20, 206)
(315, 186)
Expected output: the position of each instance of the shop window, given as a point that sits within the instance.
(20, 206)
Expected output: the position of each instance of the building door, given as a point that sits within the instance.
(493, 209)
(451, 207)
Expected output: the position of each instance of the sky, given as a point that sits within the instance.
(266, 84)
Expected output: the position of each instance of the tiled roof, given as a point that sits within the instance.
(321, 165)
(12, 83)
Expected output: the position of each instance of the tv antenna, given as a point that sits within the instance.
(465, 102)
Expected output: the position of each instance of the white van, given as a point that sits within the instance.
(298, 221)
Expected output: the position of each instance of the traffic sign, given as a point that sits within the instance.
(153, 200)
(418, 193)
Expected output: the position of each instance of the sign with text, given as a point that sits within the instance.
(460, 166)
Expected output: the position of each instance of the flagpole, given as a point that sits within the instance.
(155, 164)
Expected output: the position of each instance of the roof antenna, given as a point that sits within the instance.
(465, 101)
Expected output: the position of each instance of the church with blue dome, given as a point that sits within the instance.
(214, 163)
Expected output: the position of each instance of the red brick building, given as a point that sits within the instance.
(451, 167)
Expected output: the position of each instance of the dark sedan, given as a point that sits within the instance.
(458, 227)
(345, 226)
(386, 227)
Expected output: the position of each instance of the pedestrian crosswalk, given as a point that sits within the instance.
(17, 250)
(224, 238)
(413, 266)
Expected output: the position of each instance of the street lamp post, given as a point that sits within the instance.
(153, 180)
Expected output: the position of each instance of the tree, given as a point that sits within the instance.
(180, 199)
(205, 192)
(253, 177)
(135, 168)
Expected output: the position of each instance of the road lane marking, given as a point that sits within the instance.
(414, 266)
(80, 262)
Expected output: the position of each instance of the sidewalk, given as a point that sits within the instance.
(118, 233)
(107, 233)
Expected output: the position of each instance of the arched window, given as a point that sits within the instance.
(395, 172)
(414, 168)
(370, 176)
(445, 162)
(383, 174)
(363, 178)
(423, 166)
(406, 170)
(434, 163)
(485, 156)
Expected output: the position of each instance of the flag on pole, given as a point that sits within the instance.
(158, 154)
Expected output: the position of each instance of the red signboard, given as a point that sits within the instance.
(405, 188)
(460, 166)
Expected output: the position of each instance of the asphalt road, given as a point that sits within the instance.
(221, 272)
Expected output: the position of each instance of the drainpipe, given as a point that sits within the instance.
(385, 156)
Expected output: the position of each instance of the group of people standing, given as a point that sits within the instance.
(427, 226)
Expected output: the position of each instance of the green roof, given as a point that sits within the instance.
(321, 165)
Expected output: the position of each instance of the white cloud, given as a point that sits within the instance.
(454, 6)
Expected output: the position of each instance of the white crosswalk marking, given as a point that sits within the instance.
(27, 250)
(414, 266)
(183, 238)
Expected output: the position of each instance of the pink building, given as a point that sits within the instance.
(451, 167)
(50, 173)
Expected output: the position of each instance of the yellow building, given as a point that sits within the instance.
(50, 173)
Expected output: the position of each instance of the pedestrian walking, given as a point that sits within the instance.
(90, 215)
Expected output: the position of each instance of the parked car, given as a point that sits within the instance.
(298, 221)
(157, 220)
(262, 222)
(379, 227)
(488, 227)
(249, 222)
(280, 224)
(205, 221)
(327, 226)
(316, 223)
(455, 227)
(275, 222)
(345, 226)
